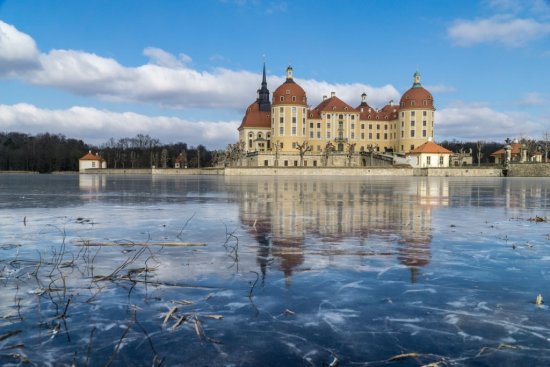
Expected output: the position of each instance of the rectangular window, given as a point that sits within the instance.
(412, 133)
(286, 163)
(412, 123)
(318, 125)
(294, 145)
(362, 126)
(385, 127)
(328, 116)
(328, 125)
(424, 133)
(311, 125)
(424, 123)
(282, 120)
(441, 160)
(362, 135)
(293, 130)
(385, 136)
(370, 135)
(93, 164)
(294, 120)
(370, 126)
(281, 131)
(424, 113)
(311, 134)
(402, 135)
(303, 120)
(295, 163)
(377, 136)
(353, 135)
(318, 135)
(412, 146)
(377, 126)
(293, 110)
(353, 126)
(314, 163)
(428, 160)
(402, 115)
(281, 110)
(266, 163)
(328, 134)
(412, 113)
(402, 123)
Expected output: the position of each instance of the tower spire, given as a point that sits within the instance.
(263, 94)
(264, 81)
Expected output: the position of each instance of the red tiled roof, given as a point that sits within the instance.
(91, 157)
(430, 147)
(255, 118)
(287, 90)
(418, 95)
(516, 149)
(332, 104)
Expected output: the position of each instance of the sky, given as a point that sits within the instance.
(185, 71)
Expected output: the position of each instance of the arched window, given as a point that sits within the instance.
(282, 99)
(293, 98)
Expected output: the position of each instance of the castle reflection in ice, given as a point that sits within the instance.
(353, 220)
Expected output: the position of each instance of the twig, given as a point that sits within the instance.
(185, 225)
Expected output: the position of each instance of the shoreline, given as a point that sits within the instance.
(516, 170)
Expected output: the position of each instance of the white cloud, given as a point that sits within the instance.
(477, 121)
(97, 126)
(18, 51)
(165, 59)
(165, 80)
(500, 29)
(349, 93)
(533, 99)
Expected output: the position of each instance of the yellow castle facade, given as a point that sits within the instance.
(286, 131)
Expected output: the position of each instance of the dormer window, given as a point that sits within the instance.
(287, 91)
(293, 98)
(413, 103)
(282, 99)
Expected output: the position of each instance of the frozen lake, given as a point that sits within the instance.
(275, 271)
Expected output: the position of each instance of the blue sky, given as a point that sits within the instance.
(187, 70)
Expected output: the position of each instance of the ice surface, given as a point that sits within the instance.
(273, 271)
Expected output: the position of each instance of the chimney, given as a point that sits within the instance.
(391, 102)
(361, 109)
(332, 94)
(324, 97)
(429, 138)
(89, 152)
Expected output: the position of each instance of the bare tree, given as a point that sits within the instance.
(350, 152)
(329, 149)
(302, 150)
(545, 145)
(479, 145)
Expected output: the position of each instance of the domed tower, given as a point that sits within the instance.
(416, 117)
(289, 112)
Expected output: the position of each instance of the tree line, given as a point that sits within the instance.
(54, 152)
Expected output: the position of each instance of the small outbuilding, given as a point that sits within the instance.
(518, 154)
(429, 154)
(90, 160)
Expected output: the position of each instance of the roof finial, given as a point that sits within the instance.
(416, 81)
(289, 72)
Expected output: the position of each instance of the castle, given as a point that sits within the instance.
(287, 132)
